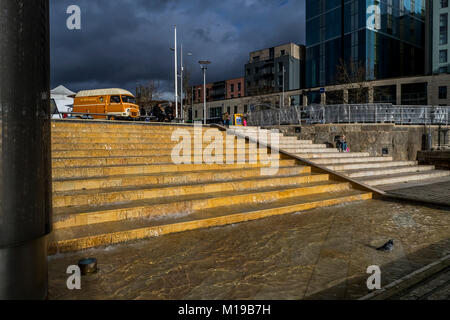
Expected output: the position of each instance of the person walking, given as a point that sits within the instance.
(229, 123)
(344, 144)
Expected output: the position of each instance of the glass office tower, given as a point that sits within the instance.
(344, 30)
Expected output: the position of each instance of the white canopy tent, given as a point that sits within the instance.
(62, 101)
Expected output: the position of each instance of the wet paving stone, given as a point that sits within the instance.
(318, 254)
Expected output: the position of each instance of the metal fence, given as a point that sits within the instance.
(355, 113)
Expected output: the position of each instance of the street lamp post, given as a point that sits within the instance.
(182, 85)
(284, 71)
(204, 65)
(176, 74)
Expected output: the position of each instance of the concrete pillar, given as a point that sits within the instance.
(370, 93)
(305, 100)
(399, 94)
(323, 98)
(25, 167)
(345, 95)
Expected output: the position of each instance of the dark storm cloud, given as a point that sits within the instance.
(125, 42)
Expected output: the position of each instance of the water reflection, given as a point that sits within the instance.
(319, 254)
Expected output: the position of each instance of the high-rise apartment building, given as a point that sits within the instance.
(438, 42)
(275, 69)
(384, 37)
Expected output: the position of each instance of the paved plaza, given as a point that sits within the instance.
(319, 254)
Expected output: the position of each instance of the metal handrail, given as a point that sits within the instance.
(361, 113)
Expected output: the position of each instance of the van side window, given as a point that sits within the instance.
(115, 99)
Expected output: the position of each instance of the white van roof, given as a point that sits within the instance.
(103, 92)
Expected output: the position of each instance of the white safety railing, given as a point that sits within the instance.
(355, 113)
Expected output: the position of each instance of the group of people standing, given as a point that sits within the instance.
(162, 114)
(227, 120)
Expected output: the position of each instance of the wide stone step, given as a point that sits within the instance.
(387, 170)
(165, 178)
(133, 140)
(114, 232)
(104, 171)
(138, 160)
(148, 146)
(107, 196)
(114, 126)
(152, 153)
(332, 155)
(370, 165)
(69, 135)
(404, 178)
(326, 161)
(302, 145)
(296, 150)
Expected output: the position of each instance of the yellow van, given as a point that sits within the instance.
(115, 104)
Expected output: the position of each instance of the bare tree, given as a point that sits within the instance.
(353, 77)
(149, 94)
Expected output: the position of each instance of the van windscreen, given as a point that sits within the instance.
(128, 99)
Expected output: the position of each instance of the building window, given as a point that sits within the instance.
(196, 113)
(228, 110)
(283, 52)
(245, 108)
(280, 66)
(443, 70)
(239, 95)
(443, 56)
(444, 4)
(235, 110)
(443, 34)
(232, 96)
(442, 93)
(280, 80)
(239, 86)
(249, 72)
(256, 58)
(232, 88)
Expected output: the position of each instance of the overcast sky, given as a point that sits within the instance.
(123, 43)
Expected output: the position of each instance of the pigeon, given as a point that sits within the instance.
(388, 246)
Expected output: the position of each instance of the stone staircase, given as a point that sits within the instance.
(377, 172)
(116, 182)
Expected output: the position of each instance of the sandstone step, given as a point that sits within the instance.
(115, 181)
(387, 170)
(124, 135)
(86, 172)
(151, 140)
(370, 165)
(288, 146)
(308, 149)
(152, 153)
(132, 160)
(96, 197)
(110, 233)
(404, 177)
(333, 161)
(129, 126)
(145, 146)
(332, 155)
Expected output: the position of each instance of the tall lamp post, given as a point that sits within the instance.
(182, 85)
(204, 65)
(176, 74)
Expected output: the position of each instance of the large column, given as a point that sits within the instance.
(25, 165)
(398, 90)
